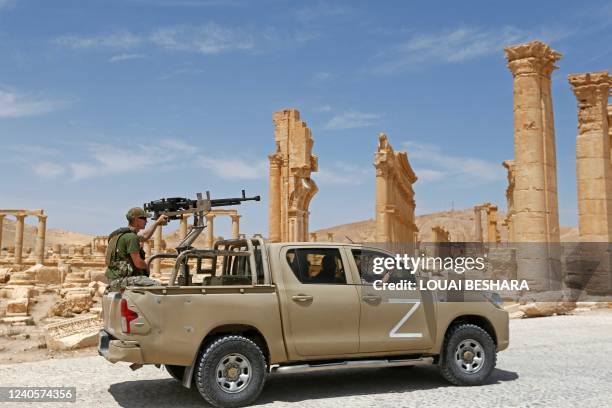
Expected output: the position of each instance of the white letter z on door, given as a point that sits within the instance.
(415, 305)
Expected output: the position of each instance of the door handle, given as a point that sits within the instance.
(302, 298)
(371, 298)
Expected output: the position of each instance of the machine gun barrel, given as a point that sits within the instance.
(222, 202)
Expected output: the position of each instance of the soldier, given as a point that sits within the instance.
(124, 254)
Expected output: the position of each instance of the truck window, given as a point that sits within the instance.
(317, 265)
(364, 259)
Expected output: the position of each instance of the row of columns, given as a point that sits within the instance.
(39, 249)
(493, 235)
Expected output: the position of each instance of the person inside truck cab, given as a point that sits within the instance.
(125, 264)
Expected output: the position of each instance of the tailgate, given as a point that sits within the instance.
(111, 312)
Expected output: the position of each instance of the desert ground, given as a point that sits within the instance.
(552, 361)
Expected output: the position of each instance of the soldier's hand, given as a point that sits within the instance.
(162, 220)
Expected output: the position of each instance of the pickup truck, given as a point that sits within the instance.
(233, 314)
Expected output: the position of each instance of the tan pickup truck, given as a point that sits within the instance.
(233, 314)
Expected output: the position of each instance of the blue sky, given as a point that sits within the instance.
(107, 104)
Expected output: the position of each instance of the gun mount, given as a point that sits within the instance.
(177, 207)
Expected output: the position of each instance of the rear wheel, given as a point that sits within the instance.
(176, 371)
(469, 355)
(231, 372)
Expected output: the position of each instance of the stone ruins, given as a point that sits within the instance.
(71, 277)
(20, 216)
(509, 220)
(394, 195)
(493, 233)
(291, 187)
(593, 161)
(535, 209)
(594, 180)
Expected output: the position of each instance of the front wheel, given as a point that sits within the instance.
(469, 355)
(231, 372)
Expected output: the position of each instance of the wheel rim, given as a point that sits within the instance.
(233, 373)
(469, 356)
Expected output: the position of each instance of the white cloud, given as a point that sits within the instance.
(209, 38)
(49, 169)
(181, 72)
(426, 175)
(457, 45)
(115, 40)
(125, 57)
(452, 168)
(15, 105)
(343, 174)
(102, 159)
(322, 108)
(235, 169)
(352, 120)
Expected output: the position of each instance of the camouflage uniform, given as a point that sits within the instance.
(120, 270)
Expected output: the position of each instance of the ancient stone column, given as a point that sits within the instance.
(235, 226)
(594, 183)
(509, 220)
(395, 205)
(274, 216)
(19, 226)
(478, 223)
(183, 227)
(536, 216)
(313, 237)
(1, 226)
(330, 236)
(291, 188)
(593, 165)
(157, 247)
(40, 239)
(210, 237)
(57, 250)
(492, 224)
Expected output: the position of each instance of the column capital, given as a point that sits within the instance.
(210, 217)
(42, 217)
(532, 58)
(276, 160)
(235, 217)
(589, 85)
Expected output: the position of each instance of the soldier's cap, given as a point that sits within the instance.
(136, 212)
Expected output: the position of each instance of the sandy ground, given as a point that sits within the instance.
(559, 361)
(27, 343)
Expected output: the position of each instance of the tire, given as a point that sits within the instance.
(231, 372)
(176, 371)
(469, 355)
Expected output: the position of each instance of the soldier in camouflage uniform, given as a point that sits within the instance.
(125, 265)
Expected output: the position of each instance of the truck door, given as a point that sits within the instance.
(321, 300)
(390, 320)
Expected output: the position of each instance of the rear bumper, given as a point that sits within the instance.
(115, 350)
